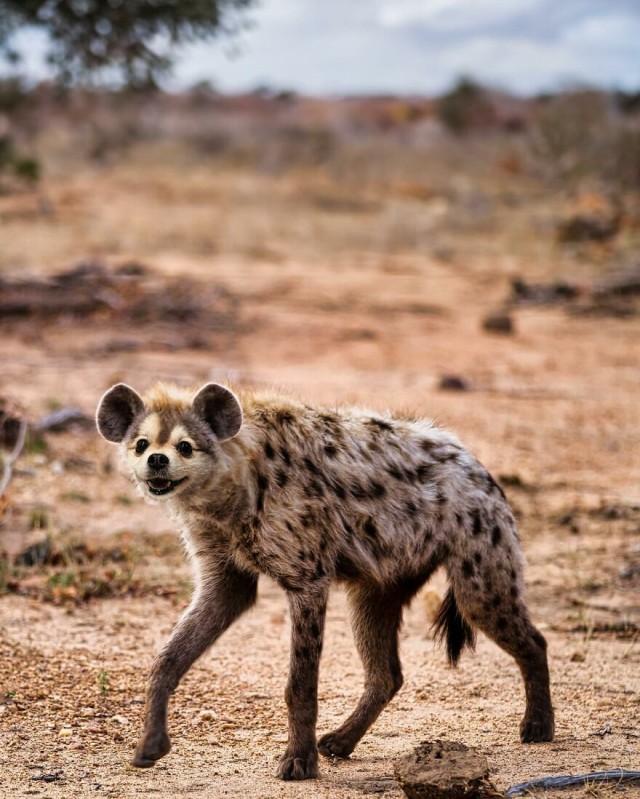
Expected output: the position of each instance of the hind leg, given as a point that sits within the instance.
(489, 596)
(375, 618)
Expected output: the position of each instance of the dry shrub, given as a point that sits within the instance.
(582, 135)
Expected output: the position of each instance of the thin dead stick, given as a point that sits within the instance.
(616, 775)
(12, 457)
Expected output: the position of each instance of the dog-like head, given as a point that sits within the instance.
(171, 439)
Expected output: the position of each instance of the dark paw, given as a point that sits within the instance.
(536, 730)
(335, 745)
(298, 768)
(150, 749)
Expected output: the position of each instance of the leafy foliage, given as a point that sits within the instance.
(133, 40)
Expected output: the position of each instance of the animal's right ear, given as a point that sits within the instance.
(116, 411)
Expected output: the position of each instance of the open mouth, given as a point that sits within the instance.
(160, 485)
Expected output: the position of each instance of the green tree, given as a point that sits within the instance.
(133, 41)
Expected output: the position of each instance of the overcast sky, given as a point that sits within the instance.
(422, 46)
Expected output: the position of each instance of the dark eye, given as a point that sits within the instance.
(185, 449)
(141, 445)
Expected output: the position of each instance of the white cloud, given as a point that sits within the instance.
(451, 15)
(415, 46)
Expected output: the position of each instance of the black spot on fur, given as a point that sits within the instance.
(269, 451)
(441, 498)
(476, 522)
(357, 491)
(282, 478)
(446, 455)
(285, 455)
(460, 520)
(377, 490)
(496, 601)
(311, 466)
(410, 507)
(513, 591)
(514, 576)
(314, 489)
(427, 445)
(381, 424)
(450, 625)
(501, 623)
(467, 568)
(263, 485)
(307, 520)
(478, 557)
(330, 450)
(496, 535)
(338, 489)
(423, 472)
(370, 528)
(284, 417)
(396, 473)
(315, 629)
(320, 572)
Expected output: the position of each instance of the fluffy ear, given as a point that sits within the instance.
(220, 409)
(116, 410)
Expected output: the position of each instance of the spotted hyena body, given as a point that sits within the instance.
(260, 484)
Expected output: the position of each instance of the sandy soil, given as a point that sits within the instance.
(553, 412)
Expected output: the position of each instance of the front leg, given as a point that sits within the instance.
(223, 594)
(308, 609)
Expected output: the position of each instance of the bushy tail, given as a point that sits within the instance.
(449, 624)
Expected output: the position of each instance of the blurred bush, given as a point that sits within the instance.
(584, 135)
(466, 107)
(25, 169)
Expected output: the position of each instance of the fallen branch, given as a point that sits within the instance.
(617, 775)
(12, 457)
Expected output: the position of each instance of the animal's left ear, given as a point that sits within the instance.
(117, 410)
(220, 409)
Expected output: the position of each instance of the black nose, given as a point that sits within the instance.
(157, 460)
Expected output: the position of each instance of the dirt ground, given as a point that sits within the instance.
(335, 303)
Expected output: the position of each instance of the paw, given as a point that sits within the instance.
(335, 745)
(537, 730)
(301, 767)
(150, 749)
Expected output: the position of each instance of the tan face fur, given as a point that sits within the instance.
(184, 463)
(170, 439)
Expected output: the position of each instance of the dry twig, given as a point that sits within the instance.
(12, 457)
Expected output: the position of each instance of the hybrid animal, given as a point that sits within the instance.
(261, 484)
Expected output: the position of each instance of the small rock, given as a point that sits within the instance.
(65, 732)
(444, 770)
(578, 657)
(498, 323)
(207, 715)
(454, 383)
